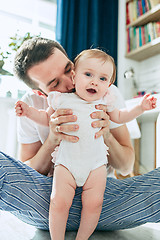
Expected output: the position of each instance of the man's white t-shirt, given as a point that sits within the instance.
(30, 132)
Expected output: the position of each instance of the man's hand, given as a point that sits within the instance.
(103, 121)
(60, 129)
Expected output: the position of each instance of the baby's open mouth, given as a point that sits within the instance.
(91, 90)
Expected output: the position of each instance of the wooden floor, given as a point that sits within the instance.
(12, 228)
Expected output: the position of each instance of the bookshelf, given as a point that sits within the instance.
(149, 48)
(146, 51)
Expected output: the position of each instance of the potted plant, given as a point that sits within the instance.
(16, 42)
(3, 56)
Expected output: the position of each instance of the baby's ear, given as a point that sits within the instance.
(73, 75)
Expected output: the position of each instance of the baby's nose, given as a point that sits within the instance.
(94, 82)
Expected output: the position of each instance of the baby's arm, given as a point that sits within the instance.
(39, 116)
(123, 115)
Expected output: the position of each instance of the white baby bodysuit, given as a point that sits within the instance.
(88, 153)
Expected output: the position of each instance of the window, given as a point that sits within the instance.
(22, 16)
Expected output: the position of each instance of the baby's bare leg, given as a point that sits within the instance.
(63, 191)
(92, 200)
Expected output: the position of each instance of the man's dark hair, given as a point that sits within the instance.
(32, 52)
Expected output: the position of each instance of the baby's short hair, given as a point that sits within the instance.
(96, 53)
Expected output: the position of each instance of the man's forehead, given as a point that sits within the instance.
(59, 54)
(49, 69)
(61, 59)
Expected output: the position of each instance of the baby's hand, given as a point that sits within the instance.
(21, 109)
(148, 102)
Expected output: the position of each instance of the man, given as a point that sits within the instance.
(43, 64)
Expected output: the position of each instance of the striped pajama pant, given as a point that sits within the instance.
(127, 203)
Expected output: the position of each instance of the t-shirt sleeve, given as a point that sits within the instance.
(110, 100)
(118, 103)
(27, 132)
(53, 99)
(26, 128)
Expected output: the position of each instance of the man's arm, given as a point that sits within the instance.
(38, 155)
(121, 152)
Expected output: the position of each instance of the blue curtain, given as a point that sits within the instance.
(83, 24)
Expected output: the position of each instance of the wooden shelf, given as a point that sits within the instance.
(150, 16)
(148, 50)
(152, 48)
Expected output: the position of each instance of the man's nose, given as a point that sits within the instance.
(66, 76)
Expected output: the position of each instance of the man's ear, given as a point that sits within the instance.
(73, 75)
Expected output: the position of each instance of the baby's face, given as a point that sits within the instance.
(92, 78)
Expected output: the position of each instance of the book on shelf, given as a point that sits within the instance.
(147, 37)
(127, 14)
(147, 5)
(144, 9)
(137, 38)
(140, 35)
(156, 29)
(128, 41)
(135, 13)
(143, 35)
(140, 7)
(130, 11)
(136, 8)
(150, 31)
(134, 39)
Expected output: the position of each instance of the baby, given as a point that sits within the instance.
(79, 164)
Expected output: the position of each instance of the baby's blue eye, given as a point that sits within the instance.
(103, 79)
(88, 74)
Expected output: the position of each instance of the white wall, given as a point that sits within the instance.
(123, 63)
(147, 142)
(8, 127)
